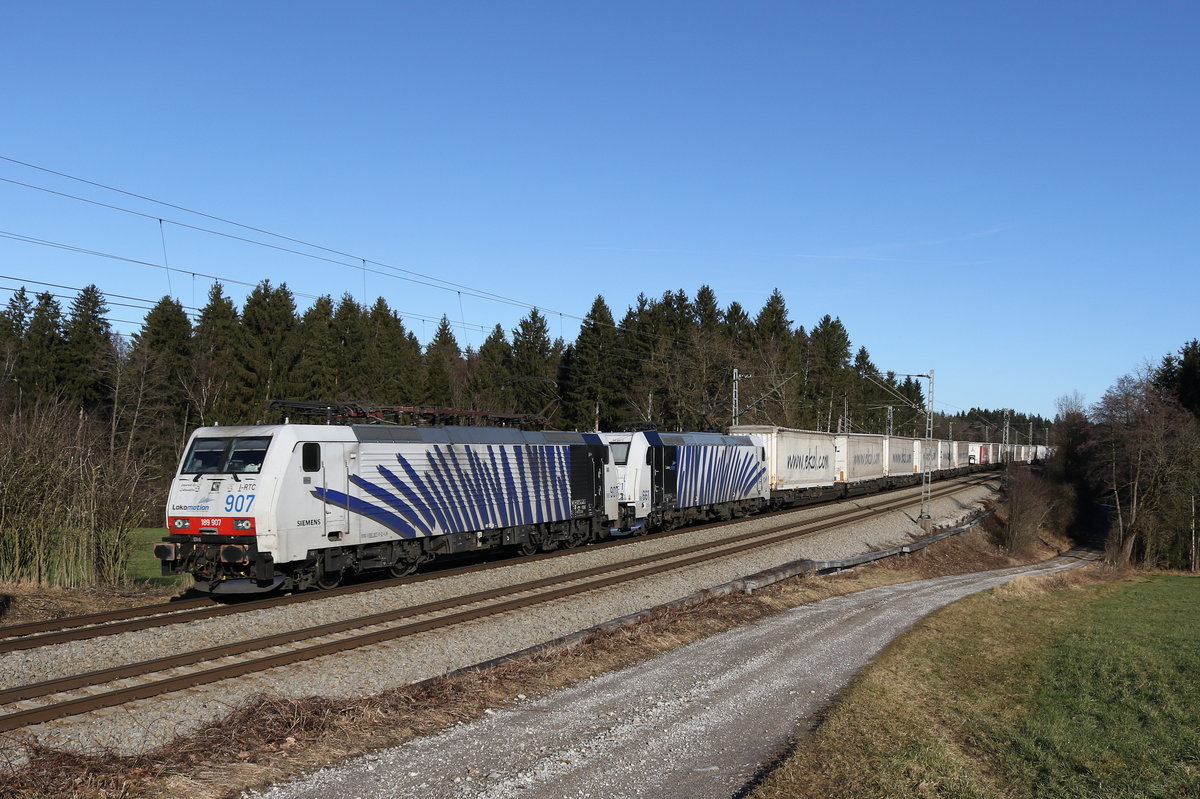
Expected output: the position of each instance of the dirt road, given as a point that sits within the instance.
(701, 721)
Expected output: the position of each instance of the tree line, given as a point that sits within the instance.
(1135, 454)
(108, 415)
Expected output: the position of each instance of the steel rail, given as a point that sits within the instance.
(79, 628)
(666, 561)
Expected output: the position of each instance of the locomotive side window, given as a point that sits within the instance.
(310, 457)
(226, 455)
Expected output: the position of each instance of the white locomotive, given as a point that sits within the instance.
(253, 509)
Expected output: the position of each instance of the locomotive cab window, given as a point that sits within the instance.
(206, 455)
(310, 457)
(226, 455)
(620, 452)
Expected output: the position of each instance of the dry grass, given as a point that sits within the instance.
(276, 738)
(1033, 586)
(889, 734)
(26, 602)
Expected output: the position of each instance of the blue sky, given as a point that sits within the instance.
(1007, 193)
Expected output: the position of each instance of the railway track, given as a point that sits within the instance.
(19, 637)
(45, 701)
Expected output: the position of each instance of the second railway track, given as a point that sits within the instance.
(53, 699)
(76, 628)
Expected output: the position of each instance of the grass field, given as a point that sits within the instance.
(1086, 690)
(143, 567)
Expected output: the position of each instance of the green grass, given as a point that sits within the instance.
(1114, 708)
(143, 566)
(1087, 691)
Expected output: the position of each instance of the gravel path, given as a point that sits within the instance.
(368, 670)
(696, 723)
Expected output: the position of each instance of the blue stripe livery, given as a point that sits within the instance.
(462, 488)
(709, 475)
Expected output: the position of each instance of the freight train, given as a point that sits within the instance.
(295, 506)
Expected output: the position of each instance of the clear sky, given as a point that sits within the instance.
(1007, 193)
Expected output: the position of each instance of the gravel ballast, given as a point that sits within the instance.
(148, 723)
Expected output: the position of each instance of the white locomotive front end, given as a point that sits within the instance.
(236, 509)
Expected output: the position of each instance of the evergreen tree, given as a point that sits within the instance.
(392, 362)
(677, 385)
(635, 347)
(868, 401)
(320, 351)
(710, 363)
(491, 384)
(14, 323)
(444, 367)
(774, 365)
(269, 346)
(534, 366)
(706, 310)
(87, 349)
(166, 335)
(831, 370)
(590, 385)
(215, 390)
(352, 327)
(739, 330)
(40, 372)
(151, 405)
(911, 390)
(1180, 375)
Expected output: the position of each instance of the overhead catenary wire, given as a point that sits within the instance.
(445, 285)
(149, 303)
(483, 329)
(361, 262)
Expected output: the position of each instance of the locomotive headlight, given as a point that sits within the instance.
(181, 524)
(242, 524)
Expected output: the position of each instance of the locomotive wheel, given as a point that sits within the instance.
(574, 539)
(402, 568)
(327, 580)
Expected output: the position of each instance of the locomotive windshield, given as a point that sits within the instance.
(620, 452)
(226, 455)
